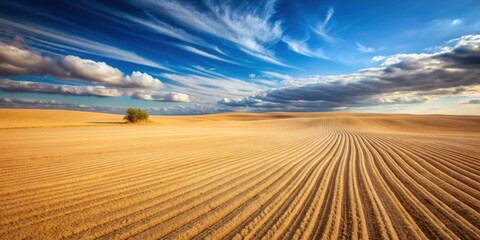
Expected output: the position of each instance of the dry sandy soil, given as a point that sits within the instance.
(81, 175)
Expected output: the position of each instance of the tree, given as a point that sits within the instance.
(136, 115)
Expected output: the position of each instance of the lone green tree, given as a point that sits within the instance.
(136, 115)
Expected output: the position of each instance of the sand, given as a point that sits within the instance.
(80, 175)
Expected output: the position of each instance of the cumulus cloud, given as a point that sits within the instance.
(22, 62)
(161, 96)
(92, 91)
(16, 61)
(401, 79)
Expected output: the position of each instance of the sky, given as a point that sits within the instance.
(200, 57)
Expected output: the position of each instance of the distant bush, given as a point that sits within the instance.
(136, 115)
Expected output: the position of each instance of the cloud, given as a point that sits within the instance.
(300, 47)
(473, 101)
(323, 28)
(252, 75)
(364, 49)
(207, 89)
(52, 104)
(22, 62)
(91, 91)
(100, 72)
(205, 54)
(456, 22)
(402, 79)
(249, 26)
(277, 75)
(55, 39)
(151, 23)
(446, 22)
(67, 90)
(161, 96)
(378, 58)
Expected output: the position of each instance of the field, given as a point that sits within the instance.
(81, 175)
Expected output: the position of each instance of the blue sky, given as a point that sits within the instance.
(190, 57)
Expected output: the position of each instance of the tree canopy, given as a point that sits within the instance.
(136, 115)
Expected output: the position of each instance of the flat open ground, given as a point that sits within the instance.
(83, 175)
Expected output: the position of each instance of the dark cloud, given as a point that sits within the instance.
(402, 79)
(51, 104)
(473, 101)
(66, 90)
(93, 91)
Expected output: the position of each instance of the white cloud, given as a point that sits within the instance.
(206, 89)
(252, 75)
(205, 54)
(456, 22)
(16, 61)
(378, 58)
(364, 49)
(161, 96)
(323, 28)
(277, 75)
(249, 26)
(55, 39)
(300, 47)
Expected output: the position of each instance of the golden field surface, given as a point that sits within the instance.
(79, 175)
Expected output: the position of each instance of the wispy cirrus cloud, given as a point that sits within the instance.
(249, 26)
(271, 74)
(402, 79)
(205, 54)
(323, 29)
(57, 39)
(208, 89)
(363, 48)
(301, 47)
(148, 21)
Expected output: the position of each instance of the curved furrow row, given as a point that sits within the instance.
(247, 185)
(252, 216)
(442, 202)
(111, 200)
(150, 175)
(411, 196)
(264, 218)
(323, 177)
(230, 179)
